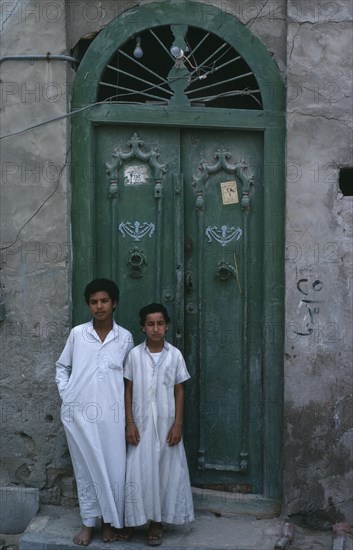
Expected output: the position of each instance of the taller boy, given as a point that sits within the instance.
(89, 375)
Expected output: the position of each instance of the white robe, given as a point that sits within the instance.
(89, 375)
(157, 477)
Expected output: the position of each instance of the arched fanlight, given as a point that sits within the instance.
(214, 73)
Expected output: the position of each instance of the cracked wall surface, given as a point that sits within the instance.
(35, 248)
(312, 44)
(318, 360)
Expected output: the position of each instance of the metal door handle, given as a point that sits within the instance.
(188, 281)
(225, 270)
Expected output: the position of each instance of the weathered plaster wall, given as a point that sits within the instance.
(318, 360)
(312, 46)
(34, 243)
(267, 22)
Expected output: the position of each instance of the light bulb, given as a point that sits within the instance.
(176, 52)
(138, 52)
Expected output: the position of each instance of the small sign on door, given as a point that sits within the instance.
(229, 192)
(135, 174)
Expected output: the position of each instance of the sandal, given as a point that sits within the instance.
(125, 534)
(155, 534)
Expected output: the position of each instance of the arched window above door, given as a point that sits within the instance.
(159, 63)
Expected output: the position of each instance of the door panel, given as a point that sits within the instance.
(135, 221)
(166, 234)
(225, 298)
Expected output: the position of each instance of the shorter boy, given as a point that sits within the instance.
(157, 477)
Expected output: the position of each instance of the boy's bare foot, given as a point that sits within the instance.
(155, 534)
(109, 534)
(84, 536)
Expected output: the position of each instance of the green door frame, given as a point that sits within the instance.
(270, 121)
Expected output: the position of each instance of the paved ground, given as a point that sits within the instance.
(54, 527)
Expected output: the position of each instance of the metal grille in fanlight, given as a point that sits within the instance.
(214, 74)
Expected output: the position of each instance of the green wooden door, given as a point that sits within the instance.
(176, 220)
(153, 140)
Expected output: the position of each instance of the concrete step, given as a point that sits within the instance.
(54, 531)
(54, 527)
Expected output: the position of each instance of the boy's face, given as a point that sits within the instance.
(101, 306)
(155, 327)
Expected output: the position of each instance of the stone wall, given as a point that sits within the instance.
(35, 268)
(312, 45)
(318, 359)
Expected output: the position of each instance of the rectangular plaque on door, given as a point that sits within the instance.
(229, 192)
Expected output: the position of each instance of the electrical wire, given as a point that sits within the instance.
(61, 117)
(41, 206)
(71, 113)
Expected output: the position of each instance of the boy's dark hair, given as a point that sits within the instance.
(153, 308)
(102, 285)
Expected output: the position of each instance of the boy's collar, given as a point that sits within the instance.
(114, 327)
(166, 345)
(91, 329)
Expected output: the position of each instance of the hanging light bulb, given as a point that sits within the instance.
(138, 52)
(176, 52)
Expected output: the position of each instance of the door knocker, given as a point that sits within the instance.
(137, 262)
(225, 270)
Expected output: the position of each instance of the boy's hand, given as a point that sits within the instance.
(132, 434)
(174, 436)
